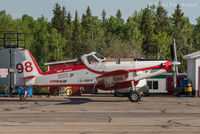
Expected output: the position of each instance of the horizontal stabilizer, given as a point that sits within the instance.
(28, 77)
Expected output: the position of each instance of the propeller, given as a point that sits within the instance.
(175, 63)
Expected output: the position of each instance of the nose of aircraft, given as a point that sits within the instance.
(171, 64)
(175, 63)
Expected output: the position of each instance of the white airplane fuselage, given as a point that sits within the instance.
(86, 71)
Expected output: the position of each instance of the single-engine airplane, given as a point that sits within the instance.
(89, 70)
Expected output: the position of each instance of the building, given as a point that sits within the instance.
(164, 83)
(193, 66)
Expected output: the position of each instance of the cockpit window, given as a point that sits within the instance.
(78, 62)
(100, 56)
(92, 60)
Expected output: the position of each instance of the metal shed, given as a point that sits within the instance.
(193, 66)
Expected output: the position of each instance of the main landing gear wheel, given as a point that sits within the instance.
(134, 96)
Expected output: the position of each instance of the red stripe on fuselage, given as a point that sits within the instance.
(64, 85)
(32, 76)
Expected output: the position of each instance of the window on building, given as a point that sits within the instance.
(153, 85)
(149, 84)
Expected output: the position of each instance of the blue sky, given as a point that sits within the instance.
(36, 8)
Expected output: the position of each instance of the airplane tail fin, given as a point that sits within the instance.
(26, 68)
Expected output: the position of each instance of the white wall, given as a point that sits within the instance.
(197, 74)
(161, 85)
(191, 71)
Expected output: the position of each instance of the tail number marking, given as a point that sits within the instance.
(20, 67)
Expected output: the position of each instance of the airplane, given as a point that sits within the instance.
(89, 70)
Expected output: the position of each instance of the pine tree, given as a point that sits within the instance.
(103, 15)
(88, 12)
(76, 37)
(161, 37)
(119, 16)
(182, 30)
(132, 34)
(197, 35)
(177, 16)
(162, 23)
(59, 18)
(68, 36)
(69, 18)
(88, 29)
(147, 31)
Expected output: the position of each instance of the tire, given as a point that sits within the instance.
(22, 98)
(147, 94)
(115, 94)
(134, 96)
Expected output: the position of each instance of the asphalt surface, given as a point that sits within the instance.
(99, 114)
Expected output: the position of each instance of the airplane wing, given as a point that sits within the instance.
(110, 79)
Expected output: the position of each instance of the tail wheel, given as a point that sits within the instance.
(22, 98)
(134, 96)
(115, 94)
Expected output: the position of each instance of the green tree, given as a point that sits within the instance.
(59, 18)
(88, 12)
(132, 33)
(103, 16)
(162, 22)
(147, 31)
(197, 35)
(76, 37)
(119, 16)
(69, 18)
(55, 46)
(91, 32)
(47, 44)
(182, 34)
(6, 21)
(161, 45)
(161, 37)
(26, 25)
(68, 37)
(87, 34)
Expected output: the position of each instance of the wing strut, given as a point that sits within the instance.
(133, 86)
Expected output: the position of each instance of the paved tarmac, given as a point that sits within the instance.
(99, 114)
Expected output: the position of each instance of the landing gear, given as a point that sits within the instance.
(24, 92)
(115, 93)
(22, 98)
(134, 96)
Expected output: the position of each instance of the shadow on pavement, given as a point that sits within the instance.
(76, 101)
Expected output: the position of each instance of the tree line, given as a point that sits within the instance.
(146, 33)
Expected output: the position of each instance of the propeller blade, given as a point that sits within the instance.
(172, 52)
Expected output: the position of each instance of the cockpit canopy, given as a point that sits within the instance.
(93, 58)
